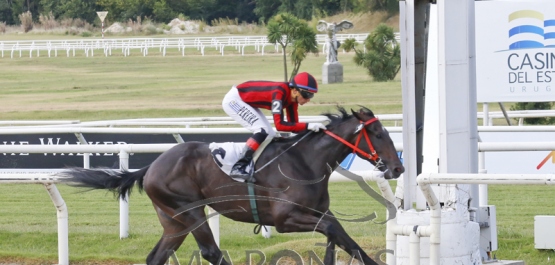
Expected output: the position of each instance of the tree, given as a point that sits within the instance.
(383, 56)
(162, 12)
(287, 30)
(535, 106)
(390, 6)
(83, 9)
(265, 9)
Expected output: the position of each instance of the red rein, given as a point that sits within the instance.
(373, 156)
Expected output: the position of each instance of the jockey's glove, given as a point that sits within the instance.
(316, 126)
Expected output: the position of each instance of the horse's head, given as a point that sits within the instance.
(373, 139)
(367, 137)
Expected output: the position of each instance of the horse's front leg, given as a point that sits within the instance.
(329, 258)
(297, 221)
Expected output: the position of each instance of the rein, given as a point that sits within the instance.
(293, 145)
(373, 156)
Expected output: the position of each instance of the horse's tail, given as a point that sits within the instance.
(118, 182)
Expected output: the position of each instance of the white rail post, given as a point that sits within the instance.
(63, 231)
(124, 204)
(483, 188)
(86, 156)
(414, 250)
(214, 223)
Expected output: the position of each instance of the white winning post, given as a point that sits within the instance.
(102, 15)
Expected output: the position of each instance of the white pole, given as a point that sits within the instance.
(266, 231)
(435, 222)
(483, 188)
(63, 231)
(508, 179)
(391, 242)
(414, 249)
(86, 156)
(409, 116)
(123, 204)
(214, 223)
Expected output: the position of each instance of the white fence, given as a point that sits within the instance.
(211, 121)
(433, 230)
(105, 47)
(124, 150)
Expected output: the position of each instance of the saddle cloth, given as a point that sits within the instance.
(226, 154)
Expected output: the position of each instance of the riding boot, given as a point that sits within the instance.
(239, 170)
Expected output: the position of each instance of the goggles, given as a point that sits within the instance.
(305, 94)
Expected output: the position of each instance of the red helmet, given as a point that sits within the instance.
(305, 81)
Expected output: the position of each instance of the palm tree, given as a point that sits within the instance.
(287, 30)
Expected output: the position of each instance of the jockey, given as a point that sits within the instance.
(243, 103)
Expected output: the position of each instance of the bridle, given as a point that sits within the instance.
(373, 155)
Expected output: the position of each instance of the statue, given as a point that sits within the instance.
(332, 43)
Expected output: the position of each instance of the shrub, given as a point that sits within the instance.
(86, 34)
(79, 23)
(535, 106)
(72, 31)
(383, 55)
(201, 25)
(48, 21)
(89, 27)
(135, 26)
(26, 20)
(2, 27)
(67, 22)
(150, 30)
(182, 17)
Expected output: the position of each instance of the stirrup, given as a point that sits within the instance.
(242, 174)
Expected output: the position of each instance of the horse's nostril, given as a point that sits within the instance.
(399, 170)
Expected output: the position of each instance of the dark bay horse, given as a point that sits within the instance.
(291, 188)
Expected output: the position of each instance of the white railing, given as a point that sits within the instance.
(145, 45)
(211, 121)
(61, 208)
(425, 181)
(123, 150)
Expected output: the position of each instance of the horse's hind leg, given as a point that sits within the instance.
(170, 241)
(205, 240)
(331, 228)
(203, 235)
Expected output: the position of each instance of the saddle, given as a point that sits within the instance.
(226, 154)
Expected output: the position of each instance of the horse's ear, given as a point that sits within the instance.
(356, 114)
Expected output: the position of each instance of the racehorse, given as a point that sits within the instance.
(291, 191)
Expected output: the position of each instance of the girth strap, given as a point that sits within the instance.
(254, 209)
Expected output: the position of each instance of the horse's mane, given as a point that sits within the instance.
(335, 119)
(343, 115)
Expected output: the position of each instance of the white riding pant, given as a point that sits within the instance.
(251, 118)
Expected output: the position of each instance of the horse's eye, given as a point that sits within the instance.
(379, 136)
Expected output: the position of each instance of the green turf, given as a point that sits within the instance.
(117, 87)
(28, 226)
(173, 86)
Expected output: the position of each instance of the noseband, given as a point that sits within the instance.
(373, 156)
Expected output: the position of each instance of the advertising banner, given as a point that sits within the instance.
(515, 51)
(62, 160)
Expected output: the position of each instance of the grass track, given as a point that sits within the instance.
(120, 87)
(28, 226)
